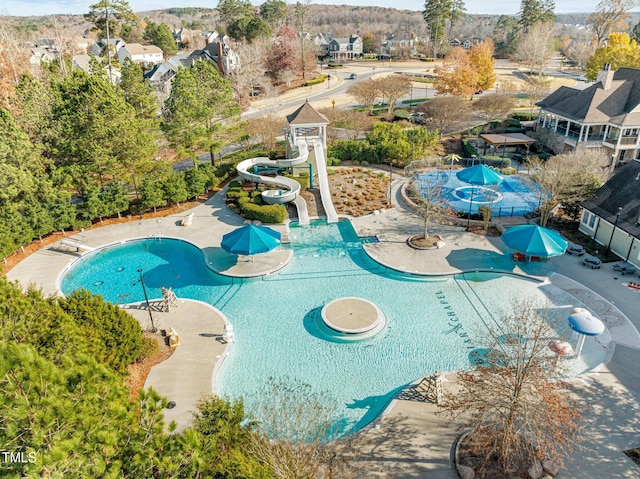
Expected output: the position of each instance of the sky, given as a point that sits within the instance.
(48, 7)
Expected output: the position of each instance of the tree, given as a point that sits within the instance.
(536, 88)
(444, 113)
(297, 432)
(352, 123)
(533, 12)
(151, 194)
(436, 13)
(519, 411)
(14, 60)
(96, 130)
(536, 47)
(200, 104)
(274, 12)
(610, 16)
(137, 91)
(162, 37)
(494, 106)
(301, 11)
(249, 72)
(230, 10)
(458, 76)
(266, 129)
(481, 57)
(567, 179)
(175, 188)
(428, 201)
(248, 28)
(112, 18)
(392, 88)
(620, 51)
(635, 32)
(368, 42)
(366, 92)
(281, 60)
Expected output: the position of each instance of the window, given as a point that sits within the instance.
(588, 219)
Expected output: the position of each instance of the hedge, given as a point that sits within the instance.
(428, 59)
(524, 116)
(266, 213)
(513, 122)
(233, 194)
(319, 79)
(303, 180)
(498, 161)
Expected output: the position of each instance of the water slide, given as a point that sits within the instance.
(323, 181)
(288, 188)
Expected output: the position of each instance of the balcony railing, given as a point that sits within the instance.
(628, 140)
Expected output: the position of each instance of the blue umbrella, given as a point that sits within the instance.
(534, 240)
(250, 240)
(586, 325)
(479, 175)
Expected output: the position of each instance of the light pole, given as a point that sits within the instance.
(146, 298)
(614, 229)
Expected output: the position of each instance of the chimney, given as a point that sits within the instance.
(220, 59)
(605, 76)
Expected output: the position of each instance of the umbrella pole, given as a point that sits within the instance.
(470, 205)
(580, 344)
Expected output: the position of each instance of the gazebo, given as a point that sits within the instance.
(306, 122)
(506, 139)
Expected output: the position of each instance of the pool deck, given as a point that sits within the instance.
(409, 440)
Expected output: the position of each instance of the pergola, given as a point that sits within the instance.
(506, 139)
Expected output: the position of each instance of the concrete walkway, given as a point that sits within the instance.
(411, 441)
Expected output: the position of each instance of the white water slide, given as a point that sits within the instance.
(288, 188)
(323, 181)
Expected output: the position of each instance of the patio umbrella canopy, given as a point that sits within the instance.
(250, 239)
(585, 323)
(534, 240)
(479, 175)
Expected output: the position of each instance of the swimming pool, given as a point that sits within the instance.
(516, 195)
(431, 324)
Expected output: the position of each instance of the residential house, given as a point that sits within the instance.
(612, 215)
(97, 49)
(465, 43)
(345, 48)
(161, 75)
(186, 38)
(41, 55)
(322, 41)
(398, 46)
(605, 115)
(219, 52)
(143, 54)
(83, 62)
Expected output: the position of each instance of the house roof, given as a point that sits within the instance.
(137, 49)
(307, 115)
(623, 189)
(595, 105)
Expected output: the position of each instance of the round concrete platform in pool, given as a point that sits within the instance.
(353, 317)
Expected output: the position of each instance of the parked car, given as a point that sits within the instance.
(625, 268)
(353, 76)
(418, 117)
(581, 78)
(575, 249)
(592, 262)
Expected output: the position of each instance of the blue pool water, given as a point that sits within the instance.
(515, 196)
(431, 325)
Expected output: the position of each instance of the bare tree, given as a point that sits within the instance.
(297, 435)
(445, 112)
(391, 88)
(365, 92)
(519, 411)
(250, 70)
(536, 88)
(427, 196)
(494, 106)
(536, 47)
(266, 129)
(353, 124)
(610, 16)
(14, 59)
(568, 178)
